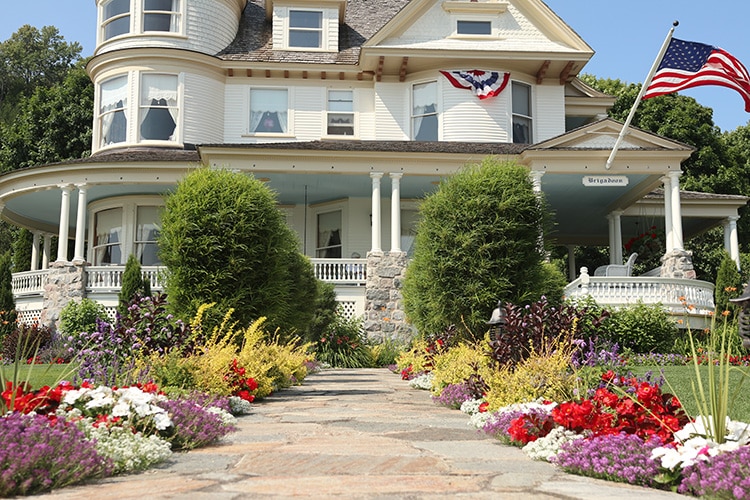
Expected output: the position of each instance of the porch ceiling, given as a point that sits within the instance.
(580, 211)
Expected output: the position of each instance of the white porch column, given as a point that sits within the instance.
(34, 251)
(617, 217)
(375, 244)
(676, 211)
(668, 228)
(62, 237)
(396, 211)
(536, 180)
(80, 224)
(731, 243)
(46, 251)
(611, 227)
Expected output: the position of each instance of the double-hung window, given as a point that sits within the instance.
(116, 18)
(148, 228)
(340, 112)
(328, 244)
(305, 29)
(113, 111)
(424, 118)
(158, 107)
(108, 237)
(269, 111)
(522, 122)
(161, 15)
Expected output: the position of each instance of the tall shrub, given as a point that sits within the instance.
(478, 242)
(133, 284)
(224, 241)
(7, 303)
(22, 250)
(728, 284)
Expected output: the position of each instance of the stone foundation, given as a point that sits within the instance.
(677, 264)
(65, 282)
(384, 311)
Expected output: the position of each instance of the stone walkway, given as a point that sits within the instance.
(355, 434)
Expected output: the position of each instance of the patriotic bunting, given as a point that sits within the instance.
(484, 84)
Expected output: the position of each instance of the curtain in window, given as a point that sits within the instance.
(424, 109)
(268, 111)
(114, 101)
(108, 237)
(159, 97)
(147, 232)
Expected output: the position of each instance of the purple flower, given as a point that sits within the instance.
(192, 424)
(37, 455)
(724, 476)
(453, 395)
(623, 458)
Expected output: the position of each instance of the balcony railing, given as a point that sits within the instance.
(28, 282)
(100, 278)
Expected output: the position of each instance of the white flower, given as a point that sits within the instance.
(239, 406)
(549, 445)
(471, 406)
(423, 381)
(479, 419)
(162, 421)
(226, 417)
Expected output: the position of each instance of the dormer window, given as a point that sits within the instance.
(474, 27)
(305, 29)
(116, 18)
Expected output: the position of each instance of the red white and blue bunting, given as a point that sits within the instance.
(484, 84)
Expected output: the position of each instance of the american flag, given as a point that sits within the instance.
(483, 83)
(692, 64)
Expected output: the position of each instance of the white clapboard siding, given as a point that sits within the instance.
(203, 118)
(308, 105)
(364, 105)
(236, 116)
(549, 111)
(391, 111)
(468, 118)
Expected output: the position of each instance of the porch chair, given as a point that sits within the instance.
(617, 269)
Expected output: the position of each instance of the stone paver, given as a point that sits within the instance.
(355, 434)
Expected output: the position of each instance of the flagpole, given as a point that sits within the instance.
(645, 85)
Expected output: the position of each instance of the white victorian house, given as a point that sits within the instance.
(352, 111)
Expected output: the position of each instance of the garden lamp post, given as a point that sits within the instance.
(498, 320)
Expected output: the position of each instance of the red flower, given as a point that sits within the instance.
(483, 407)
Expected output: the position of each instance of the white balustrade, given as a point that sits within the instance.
(110, 277)
(351, 271)
(29, 282)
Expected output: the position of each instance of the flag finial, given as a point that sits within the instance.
(675, 23)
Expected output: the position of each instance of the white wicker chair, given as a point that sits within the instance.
(617, 269)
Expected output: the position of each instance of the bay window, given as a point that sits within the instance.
(113, 111)
(424, 118)
(158, 107)
(161, 15)
(115, 18)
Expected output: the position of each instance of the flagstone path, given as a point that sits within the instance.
(355, 434)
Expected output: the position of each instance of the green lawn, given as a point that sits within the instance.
(680, 379)
(40, 375)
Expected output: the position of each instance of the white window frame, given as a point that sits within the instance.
(486, 22)
(108, 21)
(111, 113)
(517, 116)
(172, 109)
(129, 207)
(302, 29)
(414, 116)
(254, 121)
(175, 14)
(331, 114)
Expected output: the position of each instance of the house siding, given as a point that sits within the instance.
(488, 118)
(203, 116)
(391, 112)
(550, 104)
(308, 103)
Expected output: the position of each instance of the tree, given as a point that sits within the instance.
(224, 240)
(51, 125)
(133, 284)
(32, 58)
(7, 304)
(728, 284)
(478, 242)
(22, 251)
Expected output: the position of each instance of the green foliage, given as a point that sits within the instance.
(344, 345)
(7, 302)
(641, 328)
(133, 284)
(22, 251)
(325, 312)
(459, 363)
(80, 316)
(477, 242)
(224, 241)
(387, 352)
(728, 284)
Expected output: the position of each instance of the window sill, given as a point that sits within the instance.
(340, 138)
(268, 134)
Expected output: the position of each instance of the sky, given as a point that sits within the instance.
(625, 35)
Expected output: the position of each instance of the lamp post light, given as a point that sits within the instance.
(498, 320)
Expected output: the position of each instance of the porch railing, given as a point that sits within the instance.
(341, 271)
(682, 298)
(110, 277)
(28, 282)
